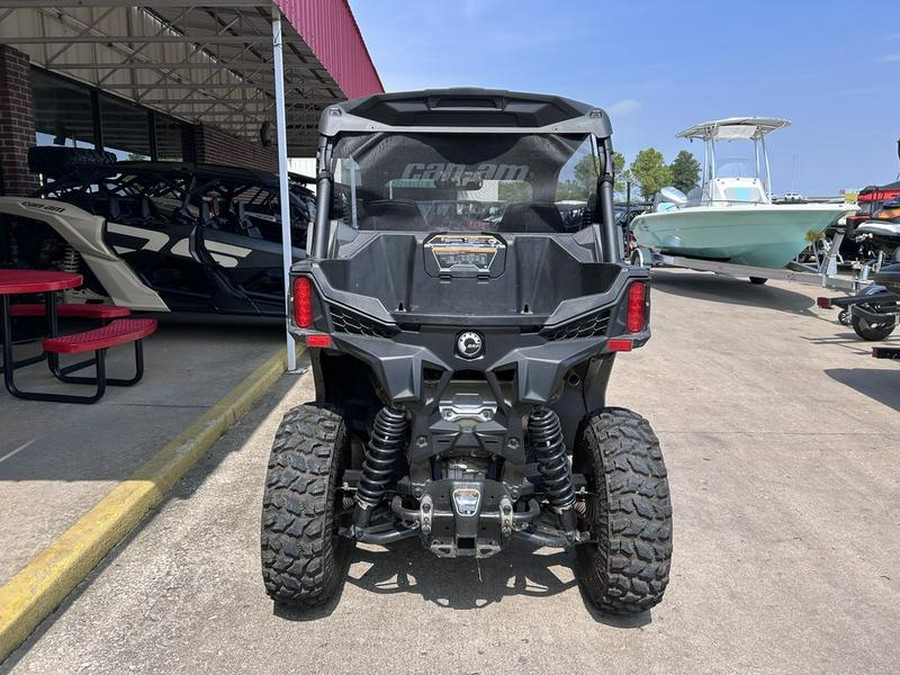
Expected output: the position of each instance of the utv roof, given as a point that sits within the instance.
(464, 110)
(734, 128)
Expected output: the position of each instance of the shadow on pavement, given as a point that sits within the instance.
(728, 290)
(465, 583)
(461, 583)
(847, 338)
(880, 385)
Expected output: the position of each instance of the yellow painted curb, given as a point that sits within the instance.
(30, 596)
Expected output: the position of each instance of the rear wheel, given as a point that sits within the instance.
(303, 557)
(626, 569)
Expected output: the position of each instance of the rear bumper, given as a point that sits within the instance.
(465, 518)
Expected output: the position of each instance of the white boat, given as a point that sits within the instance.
(731, 218)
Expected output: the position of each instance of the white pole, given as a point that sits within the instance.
(284, 191)
(769, 191)
(756, 152)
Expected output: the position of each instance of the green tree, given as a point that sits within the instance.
(514, 191)
(583, 182)
(650, 172)
(685, 172)
(586, 172)
(622, 173)
(569, 190)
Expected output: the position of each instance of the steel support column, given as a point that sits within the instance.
(285, 195)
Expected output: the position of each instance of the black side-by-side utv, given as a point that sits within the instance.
(461, 338)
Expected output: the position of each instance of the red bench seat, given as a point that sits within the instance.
(83, 310)
(118, 332)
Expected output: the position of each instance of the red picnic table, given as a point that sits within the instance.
(118, 332)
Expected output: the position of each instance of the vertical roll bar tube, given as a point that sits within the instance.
(605, 181)
(321, 230)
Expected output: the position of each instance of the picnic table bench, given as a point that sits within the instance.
(116, 331)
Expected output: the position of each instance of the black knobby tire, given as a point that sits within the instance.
(303, 558)
(626, 570)
(57, 161)
(758, 281)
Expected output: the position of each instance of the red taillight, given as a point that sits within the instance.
(823, 303)
(303, 309)
(637, 307)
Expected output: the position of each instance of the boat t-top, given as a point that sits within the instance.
(730, 217)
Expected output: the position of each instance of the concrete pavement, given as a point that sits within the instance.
(780, 437)
(57, 459)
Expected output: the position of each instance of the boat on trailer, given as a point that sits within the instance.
(731, 218)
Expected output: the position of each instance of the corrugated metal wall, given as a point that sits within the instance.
(330, 30)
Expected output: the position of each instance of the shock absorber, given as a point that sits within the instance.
(545, 433)
(71, 261)
(382, 455)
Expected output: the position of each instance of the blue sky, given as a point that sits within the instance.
(832, 68)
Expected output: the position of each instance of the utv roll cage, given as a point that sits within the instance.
(469, 111)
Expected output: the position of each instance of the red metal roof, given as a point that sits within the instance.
(330, 30)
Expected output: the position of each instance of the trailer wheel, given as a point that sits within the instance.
(844, 317)
(639, 258)
(758, 281)
(873, 330)
(625, 569)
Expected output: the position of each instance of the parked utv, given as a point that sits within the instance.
(461, 339)
(156, 236)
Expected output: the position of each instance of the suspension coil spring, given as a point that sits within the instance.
(71, 261)
(545, 433)
(382, 455)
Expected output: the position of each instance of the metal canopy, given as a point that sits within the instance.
(208, 62)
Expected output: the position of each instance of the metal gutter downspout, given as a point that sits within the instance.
(284, 196)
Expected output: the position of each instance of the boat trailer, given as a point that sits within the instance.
(823, 274)
(872, 311)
